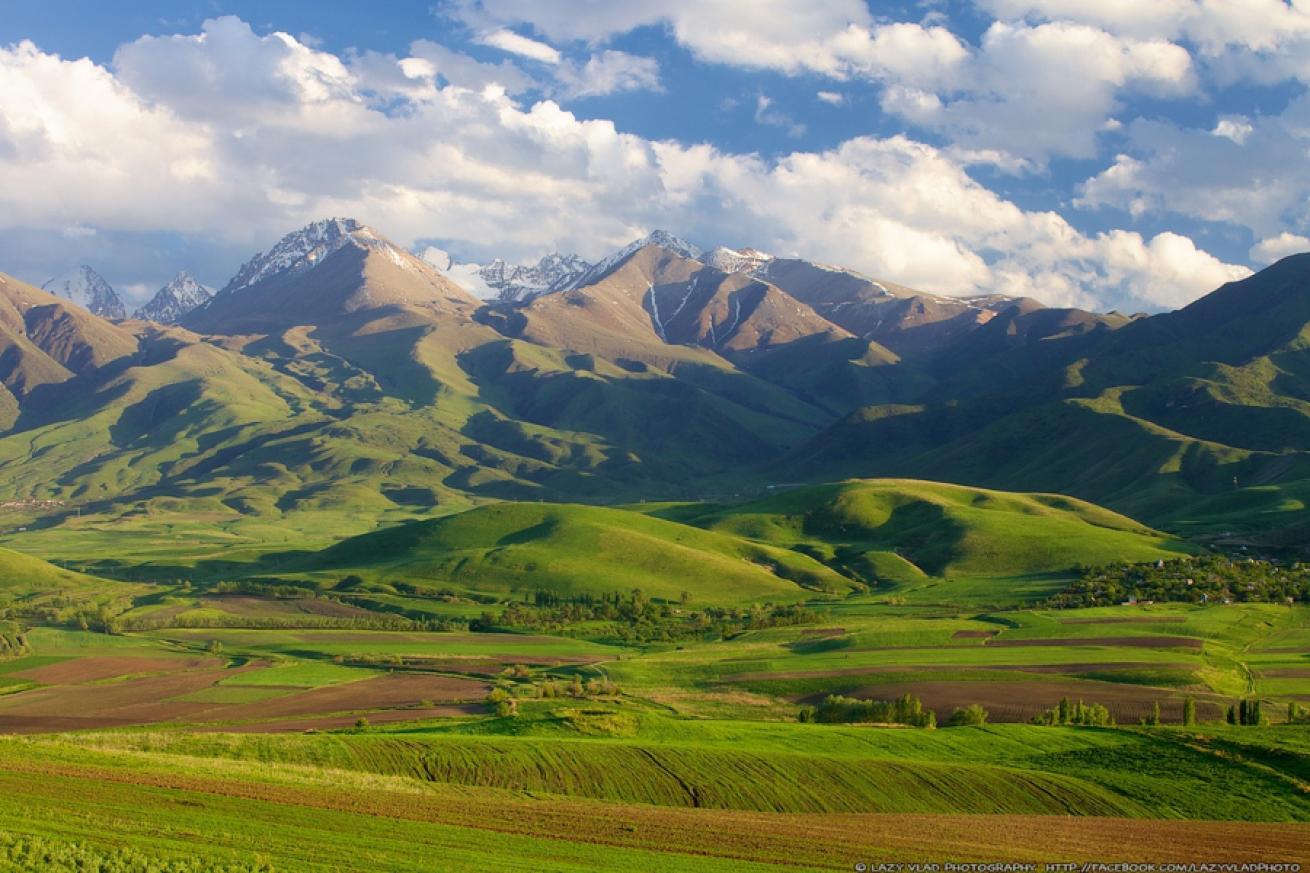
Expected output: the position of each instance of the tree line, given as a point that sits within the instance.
(1208, 578)
(637, 618)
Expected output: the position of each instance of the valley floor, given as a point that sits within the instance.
(291, 749)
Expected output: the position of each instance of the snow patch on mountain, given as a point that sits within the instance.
(174, 300)
(466, 276)
(504, 282)
(88, 289)
(746, 260)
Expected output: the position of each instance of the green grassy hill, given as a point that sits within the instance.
(896, 529)
(27, 581)
(572, 550)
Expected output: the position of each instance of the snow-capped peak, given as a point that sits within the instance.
(88, 289)
(661, 238)
(745, 260)
(301, 250)
(181, 295)
(667, 240)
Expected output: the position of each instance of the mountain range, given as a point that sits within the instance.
(337, 375)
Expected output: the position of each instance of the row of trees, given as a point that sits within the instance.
(1246, 712)
(504, 699)
(906, 709)
(635, 617)
(1067, 712)
(302, 621)
(836, 709)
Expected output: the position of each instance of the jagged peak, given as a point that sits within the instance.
(664, 239)
(302, 249)
(88, 289)
(182, 294)
(661, 238)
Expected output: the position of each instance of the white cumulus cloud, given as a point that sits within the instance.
(231, 137)
(1277, 247)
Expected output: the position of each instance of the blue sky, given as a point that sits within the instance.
(1119, 154)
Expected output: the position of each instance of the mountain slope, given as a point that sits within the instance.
(30, 582)
(910, 323)
(44, 339)
(337, 381)
(921, 327)
(1161, 412)
(658, 308)
(655, 297)
(354, 384)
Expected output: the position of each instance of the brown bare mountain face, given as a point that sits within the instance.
(917, 326)
(1017, 338)
(657, 298)
(911, 324)
(659, 308)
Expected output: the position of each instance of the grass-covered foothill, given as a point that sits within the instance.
(923, 540)
(902, 529)
(510, 549)
(45, 592)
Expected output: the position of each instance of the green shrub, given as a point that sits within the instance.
(1068, 712)
(907, 709)
(973, 714)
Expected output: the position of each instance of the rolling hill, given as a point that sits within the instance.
(899, 530)
(28, 583)
(827, 539)
(570, 551)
